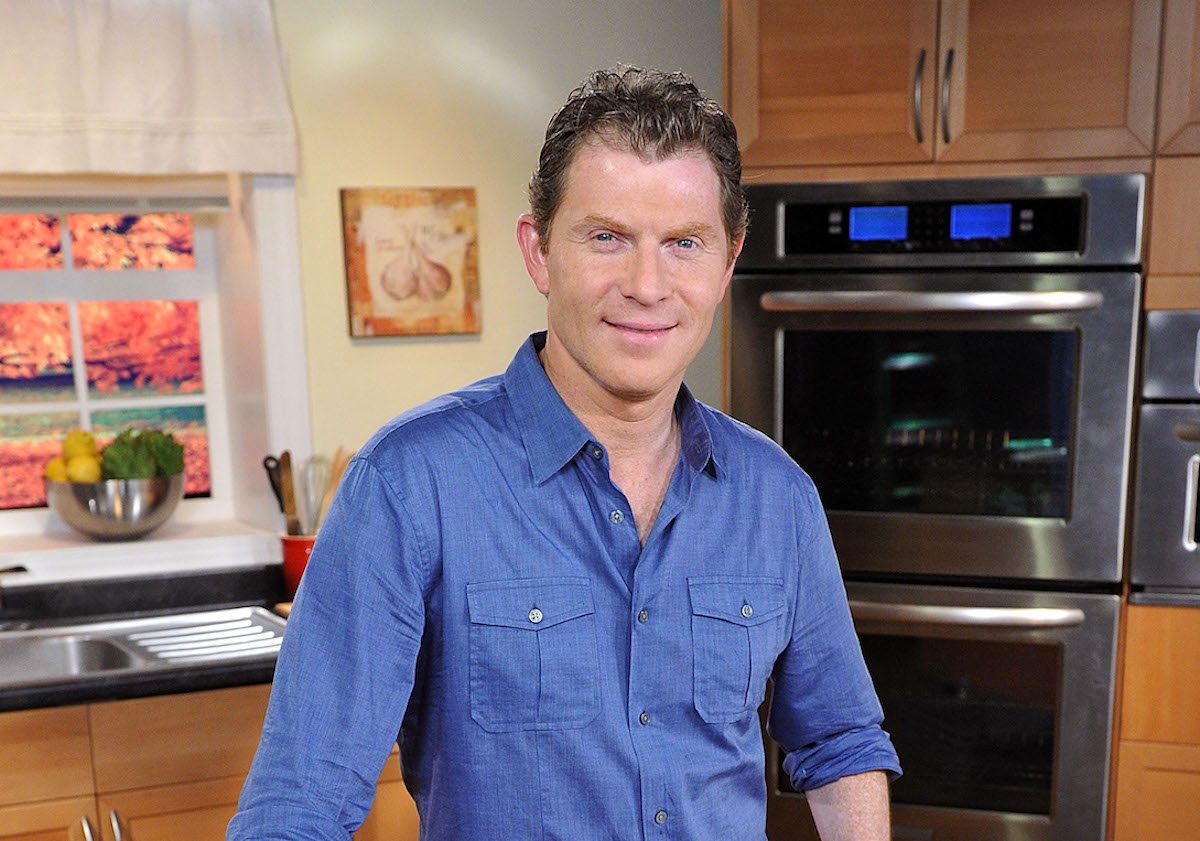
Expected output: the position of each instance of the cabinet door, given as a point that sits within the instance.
(168, 739)
(1160, 697)
(50, 820)
(193, 811)
(815, 82)
(44, 754)
(1179, 89)
(1047, 79)
(1158, 792)
(201, 811)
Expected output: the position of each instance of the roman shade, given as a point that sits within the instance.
(145, 87)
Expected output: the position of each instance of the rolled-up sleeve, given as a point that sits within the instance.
(824, 712)
(345, 671)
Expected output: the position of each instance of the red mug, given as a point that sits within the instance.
(296, 549)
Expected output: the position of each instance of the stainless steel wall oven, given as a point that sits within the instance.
(953, 363)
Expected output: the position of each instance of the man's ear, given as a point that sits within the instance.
(531, 249)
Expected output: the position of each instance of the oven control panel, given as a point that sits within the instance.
(1028, 225)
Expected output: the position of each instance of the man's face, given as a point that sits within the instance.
(635, 267)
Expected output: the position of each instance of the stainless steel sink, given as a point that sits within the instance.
(59, 653)
(38, 659)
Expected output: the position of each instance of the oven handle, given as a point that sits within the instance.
(958, 302)
(1028, 618)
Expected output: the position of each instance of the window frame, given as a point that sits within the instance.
(252, 337)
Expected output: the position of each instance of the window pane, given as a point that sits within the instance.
(35, 353)
(124, 241)
(27, 442)
(30, 241)
(132, 348)
(188, 425)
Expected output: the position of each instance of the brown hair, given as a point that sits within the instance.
(651, 113)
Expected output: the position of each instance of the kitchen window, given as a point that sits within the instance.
(93, 334)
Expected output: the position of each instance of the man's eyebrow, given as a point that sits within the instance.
(595, 220)
(703, 230)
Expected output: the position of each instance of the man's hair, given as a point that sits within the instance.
(655, 115)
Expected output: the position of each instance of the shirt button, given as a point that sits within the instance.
(644, 718)
(535, 616)
(747, 611)
(597, 453)
(660, 817)
(643, 615)
(616, 516)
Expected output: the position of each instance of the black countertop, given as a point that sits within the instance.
(50, 604)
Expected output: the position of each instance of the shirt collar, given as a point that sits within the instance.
(552, 435)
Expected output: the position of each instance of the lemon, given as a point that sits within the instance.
(56, 469)
(83, 468)
(79, 442)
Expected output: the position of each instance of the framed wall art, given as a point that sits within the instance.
(412, 260)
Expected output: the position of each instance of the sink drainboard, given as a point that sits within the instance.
(243, 634)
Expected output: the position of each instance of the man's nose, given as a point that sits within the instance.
(646, 280)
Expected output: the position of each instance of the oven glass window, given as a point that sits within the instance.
(939, 422)
(973, 721)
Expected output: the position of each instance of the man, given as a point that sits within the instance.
(565, 587)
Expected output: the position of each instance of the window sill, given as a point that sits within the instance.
(176, 547)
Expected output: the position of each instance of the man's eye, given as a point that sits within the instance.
(686, 242)
(605, 236)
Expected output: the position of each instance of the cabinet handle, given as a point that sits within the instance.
(116, 825)
(946, 95)
(86, 826)
(917, 88)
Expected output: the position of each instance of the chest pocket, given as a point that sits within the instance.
(534, 660)
(737, 632)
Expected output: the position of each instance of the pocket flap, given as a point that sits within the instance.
(531, 604)
(743, 601)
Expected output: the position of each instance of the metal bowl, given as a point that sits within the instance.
(116, 509)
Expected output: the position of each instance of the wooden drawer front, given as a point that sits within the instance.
(53, 820)
(44, 755)
(1158, 792)
(157, 741)
(1161, 696)
(195, 811)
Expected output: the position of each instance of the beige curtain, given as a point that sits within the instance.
(149, 87)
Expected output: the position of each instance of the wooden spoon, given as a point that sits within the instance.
(287, 486)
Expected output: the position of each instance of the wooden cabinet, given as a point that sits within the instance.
(46, 787)
(1157, 792)
(1173, 260)
(172, 766)
(901, 81)
(1179, 84)
(151, 769)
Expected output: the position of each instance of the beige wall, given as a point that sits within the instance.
(391, 93)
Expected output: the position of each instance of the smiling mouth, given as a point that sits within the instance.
(640, 329)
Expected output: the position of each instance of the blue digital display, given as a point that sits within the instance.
(980, 221)
(878, 223)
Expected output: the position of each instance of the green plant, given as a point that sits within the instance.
(142, 454)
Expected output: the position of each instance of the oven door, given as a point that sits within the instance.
(955, 424)
(1000, 707)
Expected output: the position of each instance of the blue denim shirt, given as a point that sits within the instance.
(478, 593)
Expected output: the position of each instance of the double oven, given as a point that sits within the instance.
(953, 364)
